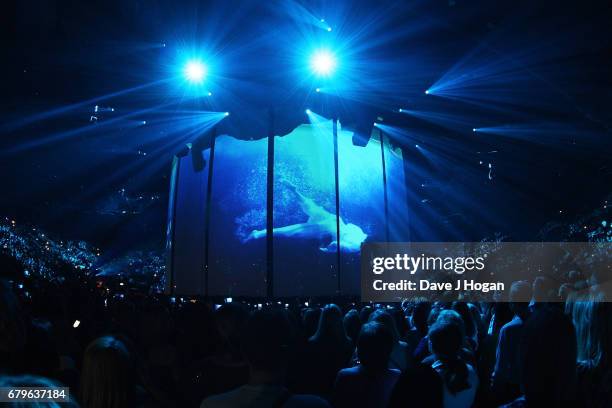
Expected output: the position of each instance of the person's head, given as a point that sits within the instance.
(401, 322)
(230, 319)
(592, 317)
(468, 321)
(565, 291)
(331, 327)
(520, 293)
(446, 337)
(548, 359)
(352, 324)
(450, 316)
(38, 382)
(503, 314)
(108, 375)
(365, 313)
(374, 346)
(542, 289)
(475, 311)
(383, 317)
(433, 316)
(310, 321)
(267, 340)
(420, 313)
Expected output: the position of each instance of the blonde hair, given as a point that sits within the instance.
(592, 317)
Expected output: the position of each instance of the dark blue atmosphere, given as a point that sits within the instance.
(313, 203)
(495, 117)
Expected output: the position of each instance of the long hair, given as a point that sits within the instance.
(107, 380)
(446, 338)
(331, 327)
(383, 317)
(419, 317)
(592, 317)
(466, 316)
(352, 324)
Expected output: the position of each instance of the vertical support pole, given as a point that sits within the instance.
(338, 260)
(170, 241)
(211, 161)
(384, 174)
(270, 209)
(408, 235)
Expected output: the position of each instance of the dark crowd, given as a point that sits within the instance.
(145, 350)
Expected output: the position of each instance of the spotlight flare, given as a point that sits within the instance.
(323, 63)
(195, 71)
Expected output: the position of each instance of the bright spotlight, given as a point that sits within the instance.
(323, 63)
(400, 110)
(473, 129)
(318, 90)
(329, 29)
(195, 71)
(226, 113)
(416, 145)
(427, 92)
(308, 111)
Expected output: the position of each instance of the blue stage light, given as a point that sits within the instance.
(323, 63)
(427, 92)
(195, 71)
(226, 113)
(308, 111)
(318, 90)
(329, 29)
(473, 129)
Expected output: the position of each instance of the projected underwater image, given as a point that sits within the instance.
(305, 242)
(238, 206)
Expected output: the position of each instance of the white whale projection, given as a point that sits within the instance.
(321, 224)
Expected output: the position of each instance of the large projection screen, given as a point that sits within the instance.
(306, 259)
(237, 265)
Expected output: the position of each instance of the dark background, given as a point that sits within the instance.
(97, 184)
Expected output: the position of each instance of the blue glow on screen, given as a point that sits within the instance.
(304, 167)
(304, 219)
(238, 206)
(361, 199)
